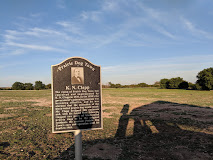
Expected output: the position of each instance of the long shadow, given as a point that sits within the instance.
(161, 130)
(123, 122)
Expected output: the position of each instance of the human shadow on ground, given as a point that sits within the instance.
(161, 130)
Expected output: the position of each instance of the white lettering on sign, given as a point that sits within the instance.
(76, 102)
(76, 63)
(89, 66)
(79, 63)
(77, 87)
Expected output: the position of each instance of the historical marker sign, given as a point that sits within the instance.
(76, 96)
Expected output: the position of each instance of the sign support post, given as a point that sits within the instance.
(78, 145)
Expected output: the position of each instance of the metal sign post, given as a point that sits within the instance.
(78, 145)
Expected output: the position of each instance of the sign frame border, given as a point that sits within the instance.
(53, 131)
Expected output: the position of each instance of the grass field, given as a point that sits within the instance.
(139, 123)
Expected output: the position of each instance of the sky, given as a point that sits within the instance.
(134, 41)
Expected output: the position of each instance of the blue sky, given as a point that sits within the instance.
(134, 41)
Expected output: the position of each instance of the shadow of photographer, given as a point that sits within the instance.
(161, 130)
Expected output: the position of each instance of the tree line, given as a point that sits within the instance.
(204, 82)
(118, 85)
(29, 86)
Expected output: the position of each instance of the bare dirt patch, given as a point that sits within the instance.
(41, 102)
(38, 102)
(104, 151)
(11, 100)
(49, 114)
(51, 136)
(172, 111)
(12, 108)
(6, 115)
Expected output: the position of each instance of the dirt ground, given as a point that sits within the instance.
(139, 130)
(173, 131)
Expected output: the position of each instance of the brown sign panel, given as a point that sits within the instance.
(76, 96)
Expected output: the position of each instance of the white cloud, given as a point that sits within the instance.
(37, 32)
(149, 11)
(129, 22)
(104, 40)
(70, 27)
(17, 42)
(110, 6)
(17, 52)
(84, 15)
(94, 16)
(165, 32)
(157, 20)
(138, 18)
(35, 47)
(8, 65)
(61, 4)
(36, 15)
(194, 30)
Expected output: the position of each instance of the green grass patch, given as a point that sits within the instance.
(107, 110)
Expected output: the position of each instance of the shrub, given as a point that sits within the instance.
(174, 83)
(205, 79)
(18, 86)
(183, 85)
(48, 86)
(28, 86)
(39, 85)
(143, 85)
(163, 83)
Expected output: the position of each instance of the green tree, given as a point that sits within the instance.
(198, 87)
(118, 85)
(174, 83)
(133, 85)
(48, 86)
(18, 86)
(111, 85)
(143, 85)
(183, 85)
(192, 86)
(39, 85)
(205, 79)
(163, 83)
(28, 86)
(156, 84)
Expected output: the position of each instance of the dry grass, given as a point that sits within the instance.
(156, 124)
